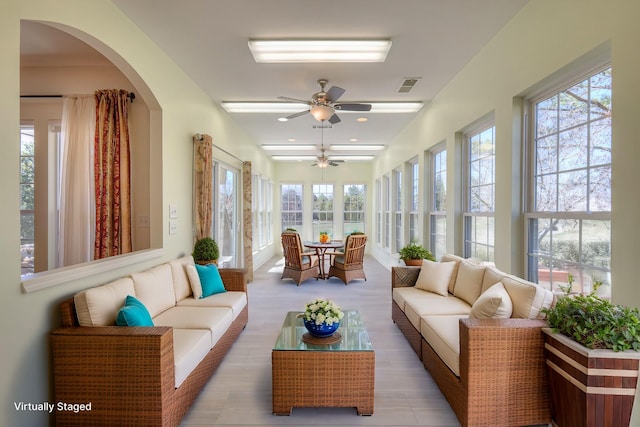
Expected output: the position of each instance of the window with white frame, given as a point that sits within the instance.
(322, 209)
(255, 217)
(261, 211)
(378, 212)
(386, 206)
(398, 229)
(438, 202)
(27, 198)
(291, 204)
(267, 210)
(414, 199)
(480, 149)
(568, 220)
(354, 207)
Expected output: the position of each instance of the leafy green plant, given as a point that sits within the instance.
(596, 323)
(205, 249)
(415, 251)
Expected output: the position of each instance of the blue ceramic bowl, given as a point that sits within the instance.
(322, 330)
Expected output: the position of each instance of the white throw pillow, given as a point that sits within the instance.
(469, 281)
(434, 276)
(194, 280)
(494, 303)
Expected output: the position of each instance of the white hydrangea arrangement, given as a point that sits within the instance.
(323, 311)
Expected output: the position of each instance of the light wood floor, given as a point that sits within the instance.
(239, 393)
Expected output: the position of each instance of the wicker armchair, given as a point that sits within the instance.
(298, 265)
(349, 266)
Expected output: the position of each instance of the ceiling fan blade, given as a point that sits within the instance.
(333, 163)
(334, 93)
(294, 115)
(336, 161)
(353, 107)
(334, 119)
(296, 100)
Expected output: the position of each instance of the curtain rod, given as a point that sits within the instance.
(131, 96)
(199, 137)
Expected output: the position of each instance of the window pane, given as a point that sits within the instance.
(354, 208)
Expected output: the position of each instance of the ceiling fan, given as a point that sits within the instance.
(324, 161)
(323, 104)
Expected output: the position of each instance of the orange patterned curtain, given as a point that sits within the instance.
(203, 185)
(112, 174)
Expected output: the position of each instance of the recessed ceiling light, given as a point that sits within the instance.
(356, 147)
(276, 147)
(353, 139)
(362, 119)
(291, 140)
(319, 50)
(283, 119)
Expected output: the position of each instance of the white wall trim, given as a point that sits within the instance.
(47, 279)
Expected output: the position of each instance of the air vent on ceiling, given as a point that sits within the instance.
(408, 84)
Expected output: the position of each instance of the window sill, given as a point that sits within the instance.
(47, 279)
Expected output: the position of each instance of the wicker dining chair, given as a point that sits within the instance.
(348, 265)
(298, 265)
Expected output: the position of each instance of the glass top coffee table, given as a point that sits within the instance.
(340, 374)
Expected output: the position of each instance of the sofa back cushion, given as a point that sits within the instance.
(527, 297)
(99, 306)
(452, 258)
(435, 276)
(469, 281)
(154, 288)
(181, 285)
(491, 276)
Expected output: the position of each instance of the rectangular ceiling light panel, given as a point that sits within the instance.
(319, 50)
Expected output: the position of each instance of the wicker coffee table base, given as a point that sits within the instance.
(322, 379)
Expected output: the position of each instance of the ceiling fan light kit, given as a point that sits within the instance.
(303, 50)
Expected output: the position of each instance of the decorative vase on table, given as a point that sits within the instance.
(322, 317)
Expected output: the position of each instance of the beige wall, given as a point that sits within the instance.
(177, 110)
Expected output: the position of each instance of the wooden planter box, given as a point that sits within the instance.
(589, 388)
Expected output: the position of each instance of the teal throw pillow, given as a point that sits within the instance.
(210, 280)
(134, 313)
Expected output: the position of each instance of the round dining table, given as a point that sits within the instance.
(320, 249)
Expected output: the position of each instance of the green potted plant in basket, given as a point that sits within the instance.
(413, 254)
(588, 331)
(206, 251)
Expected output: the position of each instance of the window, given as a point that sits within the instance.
(397, 176)
(569, 212)
(438, 214)
(267, 209)
(27, 198)
(386, 207)
(226, 230)
(414, 199)
(378, 212)
(322, 209)
(354, 207)
(261, 211)
(480, 195)
(291, 206)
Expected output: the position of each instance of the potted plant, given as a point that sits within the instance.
(206, 251)
(413, 254)
(592, 351)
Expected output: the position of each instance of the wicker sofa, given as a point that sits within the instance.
(481, 343)
(136, 375)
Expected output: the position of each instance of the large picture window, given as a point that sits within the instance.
(291, 206)
(480, 195)
(437, 213)
(354, 207)
(569, 215)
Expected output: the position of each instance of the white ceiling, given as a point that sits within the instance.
(432, 39)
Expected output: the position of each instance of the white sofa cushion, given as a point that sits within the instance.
(181, 285)
(154, 288)
(454, 276)
(194, 281)
(235, 300)
(429, 303)
(99, 306)
(435, 276)
(491, 276)
(494, 303)
(527, 297)
(469, 281)
(443, 335)
(190, 346)
(215, 319)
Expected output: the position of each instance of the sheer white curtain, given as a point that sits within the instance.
(77, 205)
